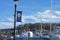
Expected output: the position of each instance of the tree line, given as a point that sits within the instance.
(32, 27)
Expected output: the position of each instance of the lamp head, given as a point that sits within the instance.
(15, 2)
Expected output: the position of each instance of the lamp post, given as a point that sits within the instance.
(15, 5)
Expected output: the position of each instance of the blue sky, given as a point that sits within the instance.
(33, 11)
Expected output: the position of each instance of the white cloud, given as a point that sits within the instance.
(47, 11)
(45, 16)
(53, 16)
(6, 25)
(24, 18)
(39, 16)
(45, 20)
(36, 17)
(57, 12)
(10, 19)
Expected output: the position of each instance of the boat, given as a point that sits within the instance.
(56, 33)
(23, 36)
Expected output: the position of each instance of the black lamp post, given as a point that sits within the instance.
(15, 5)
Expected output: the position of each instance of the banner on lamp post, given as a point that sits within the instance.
(19, 16)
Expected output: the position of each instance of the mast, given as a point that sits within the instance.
(41, 26)
(51, 18)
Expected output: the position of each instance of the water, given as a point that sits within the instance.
(51, 38)
(54, 38)
(30, 39)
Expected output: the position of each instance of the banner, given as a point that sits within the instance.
(19, 16)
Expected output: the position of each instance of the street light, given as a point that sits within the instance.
(15, 2)
(15, 5)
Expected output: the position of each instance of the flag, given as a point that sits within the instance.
(19, 16)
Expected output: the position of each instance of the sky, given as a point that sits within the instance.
(33, 11)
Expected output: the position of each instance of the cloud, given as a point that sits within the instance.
(11, 19)
(37, 16)
(45, 16)
(6, 25)
(57, 13)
